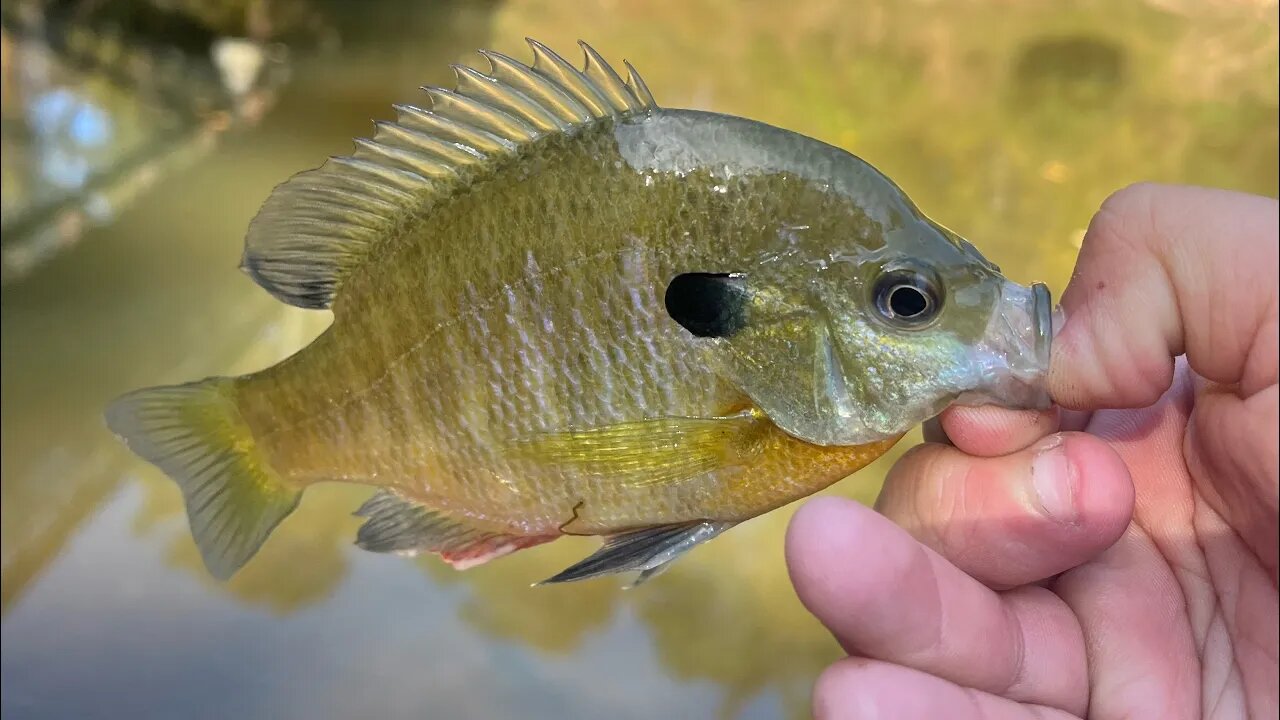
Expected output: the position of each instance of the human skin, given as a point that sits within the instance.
(1115, 558)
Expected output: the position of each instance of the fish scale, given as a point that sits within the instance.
(507, 363)
(449, 395)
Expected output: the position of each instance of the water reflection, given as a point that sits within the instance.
(1008, 122)
(1082, 71)
(102, 99)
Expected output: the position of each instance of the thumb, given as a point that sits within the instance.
(1166, 270)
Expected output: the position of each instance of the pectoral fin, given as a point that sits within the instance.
(650, 452)
(648, 551)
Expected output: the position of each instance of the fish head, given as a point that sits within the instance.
(852, 345)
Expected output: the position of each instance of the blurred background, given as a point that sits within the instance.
(139, 138)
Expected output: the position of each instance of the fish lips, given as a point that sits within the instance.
(1011, 362)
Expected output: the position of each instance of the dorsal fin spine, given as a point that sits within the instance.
(468, 110)
(319, 226)
(606, 80)
(442, 151)
(447, 129)
(537, 87)
(478, 86)
(559, 70)
(417, 163)
(637, 86)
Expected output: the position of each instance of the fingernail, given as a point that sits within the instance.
(1054, 480)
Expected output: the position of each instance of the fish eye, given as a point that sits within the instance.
(907, 298)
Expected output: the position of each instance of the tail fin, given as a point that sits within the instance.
(195, 434)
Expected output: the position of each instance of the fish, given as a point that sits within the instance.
(561, 309)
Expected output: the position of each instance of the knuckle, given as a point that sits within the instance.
(1137, 194)
(1127, 217)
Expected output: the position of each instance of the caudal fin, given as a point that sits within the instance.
(195, 434)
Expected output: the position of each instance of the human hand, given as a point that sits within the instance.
(1085, 562)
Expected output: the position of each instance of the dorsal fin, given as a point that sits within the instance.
(320, 224)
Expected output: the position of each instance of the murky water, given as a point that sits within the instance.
(1007, 121)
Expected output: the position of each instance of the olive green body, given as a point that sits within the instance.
(561, 309)
(531, 302)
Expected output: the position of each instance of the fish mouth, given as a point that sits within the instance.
(1042, 311)
(1011, 362)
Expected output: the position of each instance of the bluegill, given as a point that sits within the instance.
(559, 309)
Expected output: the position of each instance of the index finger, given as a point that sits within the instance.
(992, 431)
(1166, 270)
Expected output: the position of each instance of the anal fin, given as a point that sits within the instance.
(647, 551)
(401, 526)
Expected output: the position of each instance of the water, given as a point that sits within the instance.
(1007, 121)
